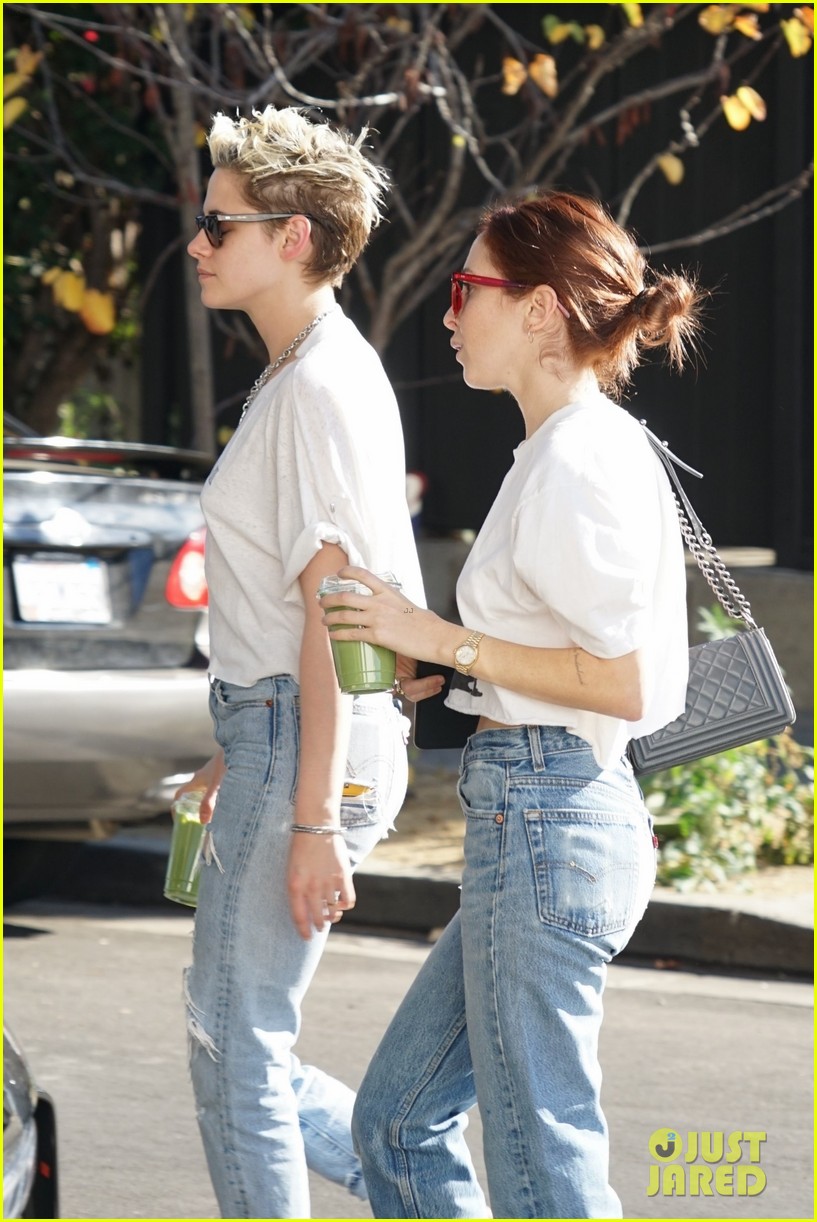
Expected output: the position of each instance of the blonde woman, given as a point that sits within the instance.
(573, 598)
(313, 478)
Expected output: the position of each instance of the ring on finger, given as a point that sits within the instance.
(398, 689)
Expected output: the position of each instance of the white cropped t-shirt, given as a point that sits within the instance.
(318, 457)
(581, 547)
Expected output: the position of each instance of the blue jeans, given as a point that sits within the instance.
(506, 1010)
(263, 1116)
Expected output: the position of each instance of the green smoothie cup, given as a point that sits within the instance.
(360, 667)
(184, 861)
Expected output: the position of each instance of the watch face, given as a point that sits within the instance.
(466, 655)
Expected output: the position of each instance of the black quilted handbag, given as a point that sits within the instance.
(736, 693)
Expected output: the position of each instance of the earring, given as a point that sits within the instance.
(530, 337)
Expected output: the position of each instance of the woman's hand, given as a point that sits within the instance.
(386, 617)
(319, 881)
(409, 686)
(208, 778)
(565, 675)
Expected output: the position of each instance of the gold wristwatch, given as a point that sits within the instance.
(466, 654)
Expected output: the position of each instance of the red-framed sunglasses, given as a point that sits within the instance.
(458, 279)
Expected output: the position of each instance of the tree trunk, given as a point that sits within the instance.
(72, 362)
(185, 156)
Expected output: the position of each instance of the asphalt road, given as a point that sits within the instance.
(94, 994)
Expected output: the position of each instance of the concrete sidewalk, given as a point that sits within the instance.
(762, 922)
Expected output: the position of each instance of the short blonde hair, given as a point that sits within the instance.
(287, 163)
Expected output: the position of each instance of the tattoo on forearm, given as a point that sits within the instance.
(577, 659)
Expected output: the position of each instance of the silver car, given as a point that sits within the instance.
(29, 1140)
(105, 619)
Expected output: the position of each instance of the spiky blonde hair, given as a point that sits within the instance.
(287, 163)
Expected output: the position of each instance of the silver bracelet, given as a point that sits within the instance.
(314, 830)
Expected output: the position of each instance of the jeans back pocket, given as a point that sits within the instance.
(586, 868)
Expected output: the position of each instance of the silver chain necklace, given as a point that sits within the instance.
(267, 373)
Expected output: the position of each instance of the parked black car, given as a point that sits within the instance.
(29, 1140)
(105, 619)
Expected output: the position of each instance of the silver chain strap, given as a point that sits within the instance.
(699, 541)
(718, 577)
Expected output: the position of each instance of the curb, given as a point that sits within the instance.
(713, 936)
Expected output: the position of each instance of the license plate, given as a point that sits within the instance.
(61, 591)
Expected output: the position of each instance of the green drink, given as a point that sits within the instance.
(360, 667)
(184, 862)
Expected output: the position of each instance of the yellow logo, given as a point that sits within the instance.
(665, 1145)
(704, 1163)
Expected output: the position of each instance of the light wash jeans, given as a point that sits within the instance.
(264, 1117)
(506, 1010)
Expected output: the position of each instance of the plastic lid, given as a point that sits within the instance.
(341, 585)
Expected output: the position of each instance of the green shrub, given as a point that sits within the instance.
(725, 815)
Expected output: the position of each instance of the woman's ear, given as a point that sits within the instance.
(296, 237)
(543, 306)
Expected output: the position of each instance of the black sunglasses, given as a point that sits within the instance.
(210, 222)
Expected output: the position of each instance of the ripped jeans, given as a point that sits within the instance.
(263, 1116)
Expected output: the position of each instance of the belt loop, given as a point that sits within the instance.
(537, 755)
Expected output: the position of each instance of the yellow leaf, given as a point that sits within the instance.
(746, 23)
(559, 32)
(514, 75)
(542, 69)
(199, 136)
(633, 14)
(50, 275)
(13, 81)
(716, 18)
(12, 110)
(753, 102)
(806, 15)
(26, 60)
(595, 36)
(672, 168)
(737, 116)
(69, 290)
(98, 312)
(797, 36)
(458, 141)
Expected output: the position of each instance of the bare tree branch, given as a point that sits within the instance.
(748, 214)
(416, 76)
(64, 24)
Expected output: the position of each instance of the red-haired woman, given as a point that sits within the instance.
(575, 641)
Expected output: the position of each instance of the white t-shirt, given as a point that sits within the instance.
(581, 547)
(319, 456)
